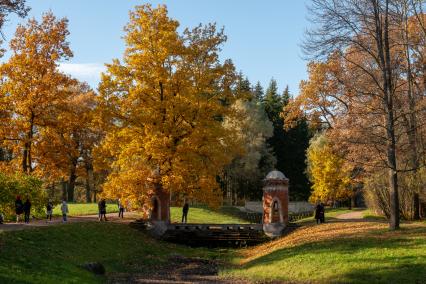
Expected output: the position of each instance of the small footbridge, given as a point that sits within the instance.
(275, 220)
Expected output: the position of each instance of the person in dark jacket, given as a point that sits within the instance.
(49, 210)
(19, 208)
(27, 210)
(102, 210)
(319, 213)
(185, 210)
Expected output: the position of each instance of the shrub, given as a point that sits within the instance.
(23, 185)
(376, 192)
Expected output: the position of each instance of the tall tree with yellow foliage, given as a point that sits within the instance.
(34, 86)
(165, 105)
(330, 179)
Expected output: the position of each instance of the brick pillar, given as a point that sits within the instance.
(275, 203)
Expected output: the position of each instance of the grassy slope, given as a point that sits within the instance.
(53, 254)
(358, 252)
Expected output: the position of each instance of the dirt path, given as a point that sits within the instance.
(35, 223)
(355, 215)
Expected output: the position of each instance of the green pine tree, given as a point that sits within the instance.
(289, 146)
(258, 92)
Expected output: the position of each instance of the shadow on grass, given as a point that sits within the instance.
(403, 273)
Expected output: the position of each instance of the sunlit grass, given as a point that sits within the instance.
(203, 215)
(364, 252)
(80, 209)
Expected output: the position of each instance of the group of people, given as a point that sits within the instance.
(102, 209)
(22, 208)
(25, 208)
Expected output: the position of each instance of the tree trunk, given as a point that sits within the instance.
(24, 159)
(64, 190)
(89, 182)
(383, 49)
(71, 184)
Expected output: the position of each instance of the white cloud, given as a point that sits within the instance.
(88, 72)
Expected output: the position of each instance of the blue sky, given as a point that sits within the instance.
(263, 36)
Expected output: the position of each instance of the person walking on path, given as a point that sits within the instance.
(27, 210)
(102, 210)
(19, 208)
(120, 209)
(49, 210)
(185, 210)
(319, 213)
(64, 210)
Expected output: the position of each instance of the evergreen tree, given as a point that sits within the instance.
(273, 103)
(258, 92)
(289, 146)
(286, 96)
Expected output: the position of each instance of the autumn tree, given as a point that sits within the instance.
(34, 87)
(165, 105)
(67, 144)
(331, 180)
(355, 85)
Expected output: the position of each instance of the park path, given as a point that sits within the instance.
(355, 215)
(37, 223)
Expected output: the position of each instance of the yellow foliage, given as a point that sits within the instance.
(164, 107)
(35, 88)
(330, 179)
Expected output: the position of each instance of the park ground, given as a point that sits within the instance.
(351, 247)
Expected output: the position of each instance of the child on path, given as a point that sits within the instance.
(27, 210)
(49, 211)
(64, 209)
(19, 207)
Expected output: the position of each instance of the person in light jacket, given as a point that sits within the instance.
(64, 209)
(120, 209)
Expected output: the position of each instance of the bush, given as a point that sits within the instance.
(25, 186)
(376, 193)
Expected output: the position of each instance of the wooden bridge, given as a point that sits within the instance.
(211, 235)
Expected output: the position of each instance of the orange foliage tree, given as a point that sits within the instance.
(164, 107)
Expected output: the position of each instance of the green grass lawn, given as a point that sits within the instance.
(79, 209)
(334, 252)
(53, 254)
(225, 215)
(322, 255)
